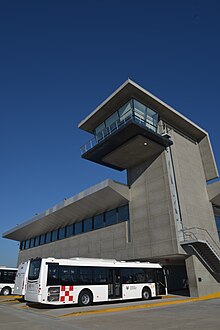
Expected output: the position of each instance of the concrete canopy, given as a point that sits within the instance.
(104, 196)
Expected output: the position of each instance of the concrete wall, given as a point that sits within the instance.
(196, 210)
(200, 280)
(152, 222)
(110, 242)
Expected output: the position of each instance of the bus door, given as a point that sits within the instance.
(114, 285)
(160, 282)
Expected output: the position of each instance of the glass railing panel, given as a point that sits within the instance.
(148, 122)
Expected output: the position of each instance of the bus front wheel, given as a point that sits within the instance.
(6, 291)
(85, 298)
(146, 294)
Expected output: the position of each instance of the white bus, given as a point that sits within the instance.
(21, 278)
(7, 280)
(84, 281)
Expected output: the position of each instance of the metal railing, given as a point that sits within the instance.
(102, 135)
(200, 234)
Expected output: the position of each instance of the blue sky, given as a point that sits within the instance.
(61, 59)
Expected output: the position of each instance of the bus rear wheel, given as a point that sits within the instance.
(146, 294)
(6, 291)
(85, 298)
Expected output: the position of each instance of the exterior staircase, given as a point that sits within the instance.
(198, 242)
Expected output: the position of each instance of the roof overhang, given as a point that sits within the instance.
(102, 197)
(130, 90)
(214, 193)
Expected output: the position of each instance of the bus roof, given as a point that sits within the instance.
(101, 262)
(7, 268)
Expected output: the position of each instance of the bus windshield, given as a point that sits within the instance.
(34, 269)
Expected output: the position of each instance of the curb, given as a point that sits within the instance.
(143, 306)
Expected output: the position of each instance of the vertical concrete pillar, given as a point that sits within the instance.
(200, 280)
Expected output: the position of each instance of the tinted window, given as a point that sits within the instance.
(62, 232)
(22, 245)
(42, 239)
(27, 244)
(150, 275)
(99, 221)
(53, 275)
(69, 230)
(85, 275)
(87, 225)
(123, 213)
(139, 275)
(48, 237)
(100, 275)
(54, 235)
(32, 243)
(68, 275)
(110, 217)
(78, 228)
(7, 276)
(37, 241)
(127, 275)
(34, 269)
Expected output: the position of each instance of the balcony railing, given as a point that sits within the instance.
(129, 116)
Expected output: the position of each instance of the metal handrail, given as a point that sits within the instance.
(189, 232)
(114, 127)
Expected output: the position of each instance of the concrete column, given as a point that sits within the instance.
(201, 282)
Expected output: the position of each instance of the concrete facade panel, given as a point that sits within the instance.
(200, 280)
(196, 210)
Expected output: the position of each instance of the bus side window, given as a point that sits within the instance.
(100, 275)
(68, 275)
(139, 275)
(53, 275)
(127, 275)
(150, 275)
(85, 276)
(8, 276)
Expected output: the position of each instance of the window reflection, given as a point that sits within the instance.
(99, 221)
(132, 109)
(110, 217)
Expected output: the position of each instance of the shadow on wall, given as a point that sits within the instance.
(177, 281)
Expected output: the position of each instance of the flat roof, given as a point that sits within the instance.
(130, 89)
(85, 204)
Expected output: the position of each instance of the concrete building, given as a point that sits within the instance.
(167, 212)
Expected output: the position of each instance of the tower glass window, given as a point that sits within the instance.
(132, 109)
(125, 111)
